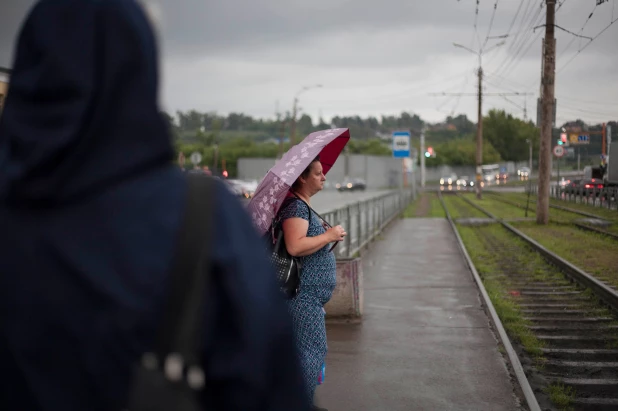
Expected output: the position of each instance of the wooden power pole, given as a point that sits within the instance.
(293, 123)
(479, 137)
(547, 110)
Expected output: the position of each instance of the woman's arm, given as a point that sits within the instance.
(296, 241)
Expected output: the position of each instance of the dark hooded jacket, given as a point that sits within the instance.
(90, 207)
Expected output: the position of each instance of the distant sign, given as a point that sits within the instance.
(401, 144)
(575, 139)
(196, 158)
(559, 151)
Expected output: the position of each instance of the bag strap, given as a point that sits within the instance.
(180, 330)
(310, 209)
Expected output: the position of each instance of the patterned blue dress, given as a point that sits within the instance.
(317, 282)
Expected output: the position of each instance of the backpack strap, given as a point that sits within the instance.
(180, 330)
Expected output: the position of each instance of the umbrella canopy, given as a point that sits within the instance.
(275, 186)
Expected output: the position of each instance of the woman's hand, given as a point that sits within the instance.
(336, 233)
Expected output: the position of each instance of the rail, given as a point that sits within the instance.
(518, 369)
(583, 278)
(365, 220)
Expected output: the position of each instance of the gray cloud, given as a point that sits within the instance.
(372, 57)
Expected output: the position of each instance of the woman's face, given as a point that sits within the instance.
(315, 180)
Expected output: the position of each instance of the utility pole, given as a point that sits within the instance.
(423, 157)
(549, 74)
(479, 127)
(293, 123)
(530, 160)
(295, 111)
(479, 137)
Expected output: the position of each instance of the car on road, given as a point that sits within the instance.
(356, 184)
(589, 187)
(523, 172)
(448, 179)
(465, 181)
(502, 175)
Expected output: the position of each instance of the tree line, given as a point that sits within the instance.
(228, 138)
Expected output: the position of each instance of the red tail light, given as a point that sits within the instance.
(599, 185)
(588, 186)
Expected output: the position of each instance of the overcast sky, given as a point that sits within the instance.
(372, 57)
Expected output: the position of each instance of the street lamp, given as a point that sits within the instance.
(479, 128)
(295, 109)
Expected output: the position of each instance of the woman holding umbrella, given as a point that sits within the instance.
(284, 197)
(307, 237)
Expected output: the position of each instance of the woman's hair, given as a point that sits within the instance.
(305, 173)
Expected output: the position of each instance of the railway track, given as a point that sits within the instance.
(580, 225)
(571, 316)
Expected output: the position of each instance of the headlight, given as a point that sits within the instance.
(441, 181)
(337, 185)
(349, 185)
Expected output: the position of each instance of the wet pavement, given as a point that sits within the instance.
(425, 343)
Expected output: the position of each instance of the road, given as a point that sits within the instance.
(331, 200)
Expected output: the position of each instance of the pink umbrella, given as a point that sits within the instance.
(275, 186)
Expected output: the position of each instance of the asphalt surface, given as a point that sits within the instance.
(329, 200)
(425, 341)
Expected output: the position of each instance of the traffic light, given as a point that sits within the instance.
(429, 152)
(563, 139)
(560, 142)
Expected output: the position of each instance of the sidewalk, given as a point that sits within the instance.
(425, 342)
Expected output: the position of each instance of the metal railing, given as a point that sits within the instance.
(366, 219)
(598, 197)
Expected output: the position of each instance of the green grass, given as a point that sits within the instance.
(610, 215)
(427, 205)
(592, 252)
(561, 395)
(458, 208)
(488, 263)
(497, 208)
(436, 210)
(410, 211)
(521, 203)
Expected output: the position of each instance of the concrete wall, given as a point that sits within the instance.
(347, 301)
(378, 172)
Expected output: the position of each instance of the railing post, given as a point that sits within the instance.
(359, 225)
(367, 222)
(348, 224)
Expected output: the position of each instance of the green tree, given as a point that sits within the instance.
(509, 134)
(462, 152)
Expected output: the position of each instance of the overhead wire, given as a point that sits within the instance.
(524, 45)
(586, 45)
(491, 23)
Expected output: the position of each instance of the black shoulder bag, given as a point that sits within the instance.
(170, 377)
(286, 266)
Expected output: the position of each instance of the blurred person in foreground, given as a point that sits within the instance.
(90, 208)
